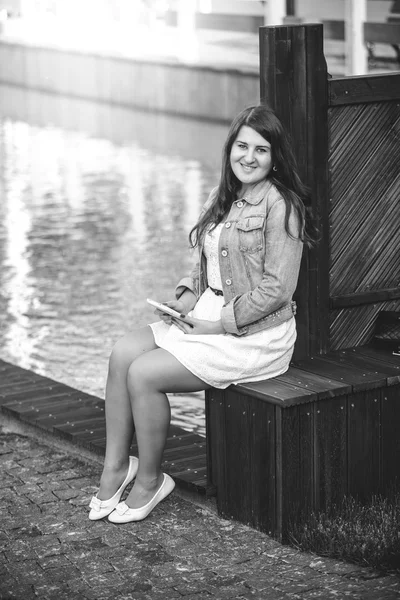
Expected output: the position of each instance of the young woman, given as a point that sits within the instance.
(240, 325)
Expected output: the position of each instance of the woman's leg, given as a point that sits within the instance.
(119, 419)
(149, 378)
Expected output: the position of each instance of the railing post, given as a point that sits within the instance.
(293, 81)
(356, 50)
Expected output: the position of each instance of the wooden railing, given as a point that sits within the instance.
(364, 188)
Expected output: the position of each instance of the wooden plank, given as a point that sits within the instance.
(15, 386)
(188, 464)
(276, 392)
(279, 472)
(297, 465)
(262, 467)
(362, 89)
(237, 500)
(331, 462)
(21, 399)
(307, 492)
(358, 379)
(364, 444)
(369, 364)
(181, 451)
(324, 387)
(215, 428)
(360, 298)
(291, 463)
(385, 356)
(293, 81)
(390, 458)
(31, 411)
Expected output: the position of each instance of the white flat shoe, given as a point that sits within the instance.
(102, 508)
(124, 514)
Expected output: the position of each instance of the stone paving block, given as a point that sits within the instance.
(81, 500)
(52, 486)
(26, 531)
(19, 550)
(47, 545)
(42, 497)
(66, 494)
(114, 537)
(62, 573)
(98, 580)
(89, 567)
(84, 544)
(6, 495)
(8, 480)
(26, 488)
(83, 484)
(25, 475)
(54, 560)
(16, 591)
(53, 591)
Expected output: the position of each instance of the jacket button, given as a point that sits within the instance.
(240, 204)
(228, 282)
(224, 253)
(227, 224)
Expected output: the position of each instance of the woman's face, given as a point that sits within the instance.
(250, 157)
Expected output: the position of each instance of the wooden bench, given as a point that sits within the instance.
(281, 448)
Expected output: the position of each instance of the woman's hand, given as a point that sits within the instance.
(176, 305)
(199, 326)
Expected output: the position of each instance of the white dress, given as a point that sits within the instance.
(223, 359)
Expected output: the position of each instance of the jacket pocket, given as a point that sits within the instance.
(250, 232)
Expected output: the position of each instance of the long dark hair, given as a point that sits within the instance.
(285, 178)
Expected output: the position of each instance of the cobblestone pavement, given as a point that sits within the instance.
(50, 550)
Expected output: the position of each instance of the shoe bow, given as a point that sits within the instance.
(95, 503)
(122, 508)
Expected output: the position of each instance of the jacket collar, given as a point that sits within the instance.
(255, 194)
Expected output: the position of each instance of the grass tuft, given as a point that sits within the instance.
(367, 535)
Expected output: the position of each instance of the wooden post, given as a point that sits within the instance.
(293, 81)
(356, 50)
(274, 12)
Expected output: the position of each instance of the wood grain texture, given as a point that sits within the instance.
(363, 89)
(364, 214)
(390, 448)
(293, 81)
(364, 448)
(360, 298)
(331, 461)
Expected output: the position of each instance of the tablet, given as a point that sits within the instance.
(167, 310)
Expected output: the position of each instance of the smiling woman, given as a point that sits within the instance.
(239, 324)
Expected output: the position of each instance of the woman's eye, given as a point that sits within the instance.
(242, 145)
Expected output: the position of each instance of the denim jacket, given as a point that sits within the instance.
(258, 260)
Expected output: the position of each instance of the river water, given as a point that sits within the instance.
(95, 206)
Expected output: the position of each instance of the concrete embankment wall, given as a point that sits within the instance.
(194, 91)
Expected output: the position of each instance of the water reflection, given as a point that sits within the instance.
(91, 225)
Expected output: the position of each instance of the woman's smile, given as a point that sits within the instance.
(250, 157)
